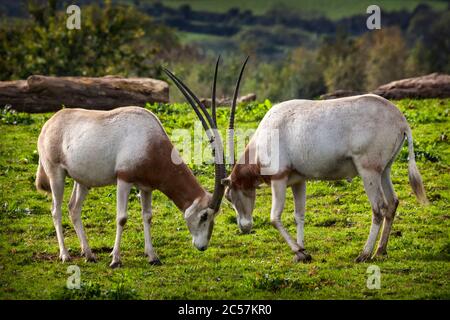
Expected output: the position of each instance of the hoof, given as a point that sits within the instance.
(381, 253)
(89, 256)
(155, 262)
(65, 257)
(302, 256)
(115, 264)
(363, 257)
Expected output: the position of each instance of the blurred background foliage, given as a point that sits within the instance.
(112, 40)
(297, 50)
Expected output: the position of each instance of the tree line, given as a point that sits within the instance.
(117, 39)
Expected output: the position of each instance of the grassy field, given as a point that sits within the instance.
(334, 10)
(254, 266)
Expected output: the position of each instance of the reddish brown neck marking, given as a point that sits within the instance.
(181, 186)
(158, 171)
(246, 174)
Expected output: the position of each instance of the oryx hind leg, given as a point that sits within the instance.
(392, 202)
(75, 204)
(374, 190)
(56, 177)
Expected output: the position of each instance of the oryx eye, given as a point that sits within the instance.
(204, 217)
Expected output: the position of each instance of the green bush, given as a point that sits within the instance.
(11, 116)
(113, 40)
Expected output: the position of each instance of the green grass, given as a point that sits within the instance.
(189, 37)
(258, 265)
(334, 10)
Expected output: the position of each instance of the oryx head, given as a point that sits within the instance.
(200, 215)
(242, 197)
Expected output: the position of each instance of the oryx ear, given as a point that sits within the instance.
(188, 213)
(226, 182)
(191, 209)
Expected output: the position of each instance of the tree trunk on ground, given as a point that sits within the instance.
(434, 85)
(222, 102)
(47, 94)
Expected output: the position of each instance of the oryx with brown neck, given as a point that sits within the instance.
(325, 140)
(128, 147)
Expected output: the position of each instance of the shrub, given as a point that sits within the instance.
(11, 116)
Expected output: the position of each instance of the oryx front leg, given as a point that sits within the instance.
(76, 201)
(123, 190)
(299, 192)
(278, 199)
(373, 187)
(146, 203)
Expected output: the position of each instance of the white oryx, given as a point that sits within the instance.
(325, 140)
(128, 147)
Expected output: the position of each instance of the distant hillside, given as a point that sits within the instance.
(332, 9)
(269, 28)
(273, 33)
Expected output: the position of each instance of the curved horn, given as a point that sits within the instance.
(213, 136)
(220, 171)
(232, 113)
(213, 98)
(197, 100)
(189, 99)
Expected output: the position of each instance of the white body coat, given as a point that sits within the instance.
(326, 140)
(321, 139)
(95, 151)
(125, 146)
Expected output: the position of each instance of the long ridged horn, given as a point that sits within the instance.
(213, 97)
(189, 99)
(233, 111)
(213, 135)
(220, 171)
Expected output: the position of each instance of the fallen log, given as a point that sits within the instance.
(222, 102)
(434, 85)
(47, 94)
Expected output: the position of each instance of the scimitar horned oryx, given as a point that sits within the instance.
(128, 147)
(325, 140)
